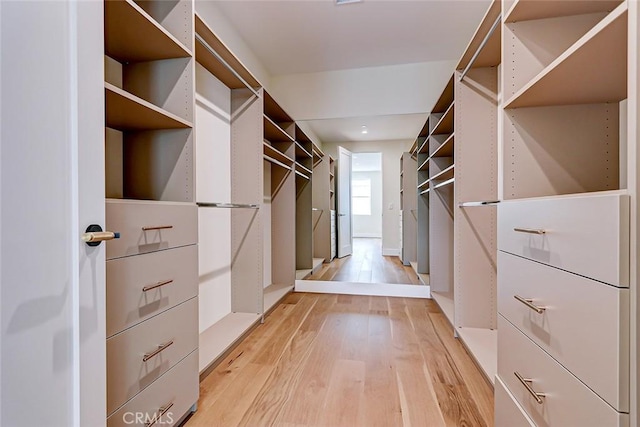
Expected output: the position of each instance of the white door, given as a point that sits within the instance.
(345, 235)
(52, 299)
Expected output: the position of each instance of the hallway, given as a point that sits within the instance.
(367, 265)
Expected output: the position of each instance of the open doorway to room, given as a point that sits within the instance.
(366, 209)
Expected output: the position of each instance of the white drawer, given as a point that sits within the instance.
(587, 235)
(567, 401)
(178, 387)
(581, 317)
(128, 373)
(508, 413)
(142, 286)
(146, 226)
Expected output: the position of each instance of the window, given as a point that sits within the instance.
(361, 197)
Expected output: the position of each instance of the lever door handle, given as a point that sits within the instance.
(94, 235)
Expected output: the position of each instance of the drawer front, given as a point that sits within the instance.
(587, 235)
(142, 286)
(150, 226)
(581, 317)
(567, 402)
(508, 413)
(127, 371)
(178, 388)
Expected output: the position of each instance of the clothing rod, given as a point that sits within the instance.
(484, 42)
(227, 66)
(317, 210)
(227, 205)
(483, 203)
(279, 163)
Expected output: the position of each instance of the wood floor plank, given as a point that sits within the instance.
(344, 399)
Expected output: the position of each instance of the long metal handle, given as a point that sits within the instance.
(530, 230)
(529, 303)
(527, 384)
(99, 236)
(228, 205)
(157, 227)
(161, 411)
(157, 285)
(155, 352)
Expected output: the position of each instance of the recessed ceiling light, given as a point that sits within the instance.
(339, 2)
(364, 129)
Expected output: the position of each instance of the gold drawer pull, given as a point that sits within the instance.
(530, 230)
(529, 303)
(156, 285)
(157, 227)
(157, 351)
(527, 384)
(161, 411)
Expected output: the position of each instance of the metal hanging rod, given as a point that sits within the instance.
(277, 162)
(228, 205)
(317, 210)
(484, 42)
(226, 65)
(483, 203)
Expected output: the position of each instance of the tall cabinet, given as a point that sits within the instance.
(567, 233)
(152, 269)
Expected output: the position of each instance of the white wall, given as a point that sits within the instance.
(213, 184)
(391, 153)
(370, 225)
(373, 91)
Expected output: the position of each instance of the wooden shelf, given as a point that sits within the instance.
(301, 152)
(222, 335)
(304, 169)
(445, 174)
(214, 65)
(132, 35)
(527, 10)
(424, 184)
(573, 78)
(277, 157)
(445, 149)
(445, 302)
(125, 111)
(301, 175)
(424, 166)
(424, 192)
(482, 344)
(275, 293)
(490, 55)
(274, 133)
(274, 111)
(424, 145)
(445, 100)
(445, 124)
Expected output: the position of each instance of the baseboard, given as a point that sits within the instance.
(371, 289)
(390, 252)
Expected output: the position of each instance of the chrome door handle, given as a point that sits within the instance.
(529, 303)
(527, 384)
(530, 230)
(160, 348)
(161, 411)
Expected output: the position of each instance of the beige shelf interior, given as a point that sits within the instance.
(490, 54)
(445, 149)
(126, 21)
(526, 10)
(573, 78)
(445, 124)
(273, 132)
(125, 111)
(445, 174)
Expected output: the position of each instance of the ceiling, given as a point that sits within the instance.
(311, 36)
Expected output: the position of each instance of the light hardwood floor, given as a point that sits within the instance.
(367, 265)
(345, 360)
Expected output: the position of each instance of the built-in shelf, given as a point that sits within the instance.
(445, 174)
(424, 192)
(277, 154)
(424, 278)
(301, 152)
(445, 100)
(483, 347)
(274, 133)
(445, 149)
(132, 35)
(444, 184)
(489, 54)
(445, 302)
(527, 10)
(573, 78)
(423, 184)
(445, 124)
(414, 265)
(125, 111)
(231, 79)
(274, 111)
(222, 335)
(424, 145)
(303, 169)
(301, 175)
(424, 166)
(274, 294)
